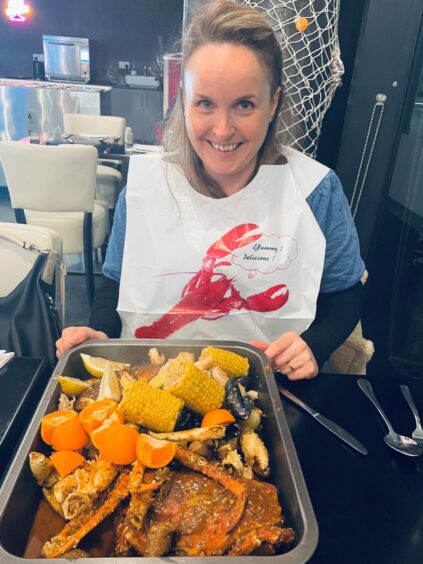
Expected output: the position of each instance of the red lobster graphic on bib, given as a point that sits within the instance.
(211, 295)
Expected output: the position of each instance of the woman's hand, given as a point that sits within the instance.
(72, 336)
(291, 355)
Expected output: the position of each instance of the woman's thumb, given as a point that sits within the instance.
(79, 336)
(259, 345)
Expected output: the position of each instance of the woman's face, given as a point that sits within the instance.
(228, 106)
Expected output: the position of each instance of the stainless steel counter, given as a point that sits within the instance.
(32, 107)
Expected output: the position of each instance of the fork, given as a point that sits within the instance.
(418, 432)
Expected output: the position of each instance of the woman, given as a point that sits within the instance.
(231, 236)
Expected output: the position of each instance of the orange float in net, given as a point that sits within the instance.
(301, 24)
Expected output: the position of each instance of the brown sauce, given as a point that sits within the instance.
(47, 523)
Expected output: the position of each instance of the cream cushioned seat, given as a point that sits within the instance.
(54, 186)
(108, 185)
(109, 179)
(70, 226)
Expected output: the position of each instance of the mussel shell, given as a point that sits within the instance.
(240, 406)
(187, 420)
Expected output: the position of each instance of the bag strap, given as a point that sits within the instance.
(51, 263)
(18, 242)
(21, 243)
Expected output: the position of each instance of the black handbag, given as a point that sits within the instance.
(29, 321)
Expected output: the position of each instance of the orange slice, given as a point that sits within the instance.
(154, 453)
(217, 417)
(66, 461)
(94, 415)
(50, 421)
(69, 435)
(116, 442)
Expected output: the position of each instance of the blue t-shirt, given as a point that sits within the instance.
(343, 266)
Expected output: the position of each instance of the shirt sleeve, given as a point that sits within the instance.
(343, 266)
(112, 267)
(103, 315)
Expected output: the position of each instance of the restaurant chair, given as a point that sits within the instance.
(19, 265)
(109, 179)
(54, 187)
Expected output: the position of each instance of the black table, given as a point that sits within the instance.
(22, 382)
(369, 509)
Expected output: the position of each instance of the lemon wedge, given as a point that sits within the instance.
(72, 386)
(96, 365)
(109, 387)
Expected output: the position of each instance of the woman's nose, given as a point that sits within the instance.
(224, 127)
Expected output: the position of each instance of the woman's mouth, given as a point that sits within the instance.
(225, 148)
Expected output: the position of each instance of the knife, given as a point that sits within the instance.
(330, 425)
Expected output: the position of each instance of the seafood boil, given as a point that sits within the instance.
(170, 450)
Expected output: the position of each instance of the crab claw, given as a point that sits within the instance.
(239, 236)
(269, 300)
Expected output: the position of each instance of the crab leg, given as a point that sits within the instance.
(77, 528)
(122, 545)
(142, 497)
(196, 434)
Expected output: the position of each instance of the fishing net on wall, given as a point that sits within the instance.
(308, 34)
(307, 31)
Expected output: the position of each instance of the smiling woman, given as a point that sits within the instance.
(232, 54)
(227, 111)
(227, 234)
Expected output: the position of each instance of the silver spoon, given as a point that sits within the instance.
(400, 443)
(418, 431)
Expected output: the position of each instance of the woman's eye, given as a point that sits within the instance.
(245, 105)
(206, 104)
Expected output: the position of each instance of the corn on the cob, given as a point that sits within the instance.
(233, 364)
(186, 356)
(196, 388)
(154, 409)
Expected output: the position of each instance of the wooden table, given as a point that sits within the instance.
(369, 509)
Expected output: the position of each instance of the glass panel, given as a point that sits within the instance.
(406, 201)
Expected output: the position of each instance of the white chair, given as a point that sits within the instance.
(54, 187)
(19, 264)
(109, 179)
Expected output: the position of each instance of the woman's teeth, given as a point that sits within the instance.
(225, 148)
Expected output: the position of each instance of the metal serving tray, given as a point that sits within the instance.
(20, 495)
